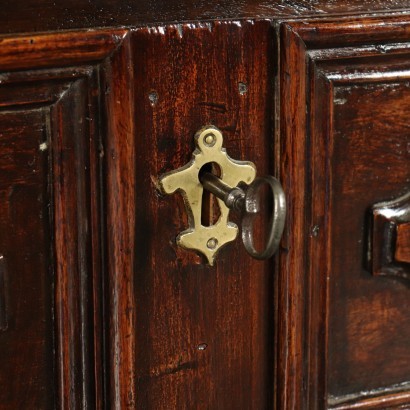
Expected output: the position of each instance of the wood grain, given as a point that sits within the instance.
(121, 201)
(22, 16)
(383, 400)
(350, 338)
(291, 282)
(98, 306)
(183, 334)
(33, 51)
(51, 214)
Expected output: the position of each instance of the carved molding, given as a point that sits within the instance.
(59, 73)
(392, 397)
(310, 73)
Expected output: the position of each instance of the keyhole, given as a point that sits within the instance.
(210, 211)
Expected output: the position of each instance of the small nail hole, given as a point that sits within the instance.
(153, 97)
(243, 88)
(315, 231)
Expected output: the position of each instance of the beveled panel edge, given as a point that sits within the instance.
(118, 142)
(78, 380)
(303, 43)
(58, 49)
(325, 33)
(73, 256)
(392, 397)
(89, 55)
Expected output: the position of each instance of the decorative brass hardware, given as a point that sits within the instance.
(208, 240)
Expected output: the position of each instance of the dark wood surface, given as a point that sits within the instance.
(347, 335)
(210, 328)
(25, 16)
(26, 297)
(189, 335)
(98, 306)
(50, 270)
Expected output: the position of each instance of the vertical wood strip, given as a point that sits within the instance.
(72, 248)
(291, 275)
(117, 80)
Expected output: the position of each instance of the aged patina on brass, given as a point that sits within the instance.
(207, 240)
(193, 178)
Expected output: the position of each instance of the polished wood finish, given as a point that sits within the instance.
(21, 16)
(342, 333)
(118, 151)
(206, 338)
(98, 306)
(25, 314)
(50, 225)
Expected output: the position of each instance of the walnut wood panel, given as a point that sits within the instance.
(343, 334)
(26, 343)
(51, 279)
(184, 334)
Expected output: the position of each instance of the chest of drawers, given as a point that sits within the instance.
(99, 307)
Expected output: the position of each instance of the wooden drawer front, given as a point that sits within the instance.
(26, 339)
(191, 335)
(50, 274)
(353, 141)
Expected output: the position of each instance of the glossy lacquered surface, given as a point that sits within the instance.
(344, 149)
(50, 264)
(203, 335)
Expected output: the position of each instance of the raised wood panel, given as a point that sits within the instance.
(344, 337)
(26, 343)
(184, 334)
(46, 219)
(51, 279)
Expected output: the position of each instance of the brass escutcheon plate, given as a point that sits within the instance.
(207, 240)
